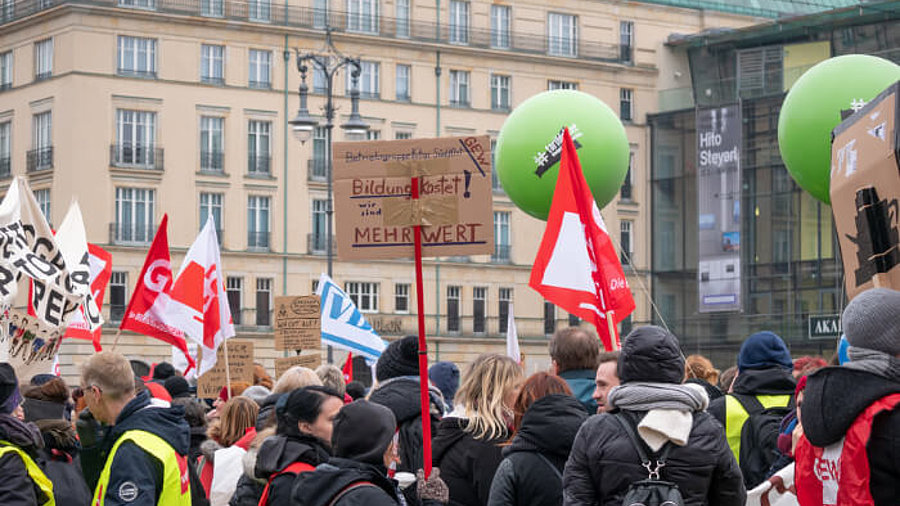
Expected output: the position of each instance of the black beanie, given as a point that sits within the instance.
(651, 354)
(401, 358)
(9, 388)
(363, 431)
(163, 371)
(177, 387)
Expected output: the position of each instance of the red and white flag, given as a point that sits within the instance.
(577, 267)
(199, 304)
(347, 371)
(147, 311)
(100, 262)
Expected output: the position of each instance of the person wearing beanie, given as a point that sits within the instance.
(177, 387)
(23, 483)
(763, 389)
(364, 447)
(163, 371)
(257, 393)
(851, 414)
(445, 376)
(665, 418)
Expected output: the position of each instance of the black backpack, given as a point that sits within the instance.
(759, 438)
(653, 491)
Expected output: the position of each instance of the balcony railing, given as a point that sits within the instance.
(212, 161)
(131, 233)
(5, 166)
(501, 253)
(317, 170)
(39, 159)
(217, 80)
(317, 244)
(260, 85)
(258, 240)
(41, 76)
(139, 156)
(259, 165)
(143, 74)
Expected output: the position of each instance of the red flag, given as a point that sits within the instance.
(146, 313)
(348, 369)
(577, 267)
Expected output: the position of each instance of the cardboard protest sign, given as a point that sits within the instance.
(311, 361)
(373, 197)
(31, 344)
(240, 363)
(865, 193)
(298, 324)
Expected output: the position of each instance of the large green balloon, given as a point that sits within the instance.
(813, 108)
(535, 123)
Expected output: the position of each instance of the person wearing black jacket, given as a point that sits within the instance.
(604, 461)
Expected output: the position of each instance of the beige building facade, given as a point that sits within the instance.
(139, 108)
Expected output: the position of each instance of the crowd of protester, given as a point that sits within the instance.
(597, 428)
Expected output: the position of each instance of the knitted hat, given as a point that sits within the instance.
(10, 398)
(163, 371)
(651, 354)
(871, 321)
(177, 387)
(257, 393)
(401, 358)
(40, 379)
(445, 376)
(362, 432)
(762, 350)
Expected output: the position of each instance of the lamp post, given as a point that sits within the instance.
(328, 62)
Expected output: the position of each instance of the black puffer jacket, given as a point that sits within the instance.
(62, 464)
(321, 487)
(401, 396)
(467, 464)
(768, 381)
(531, 473)
(278, 452)
(833, 398)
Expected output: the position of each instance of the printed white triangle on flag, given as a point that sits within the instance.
(570, 260)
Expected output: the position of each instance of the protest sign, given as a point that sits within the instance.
(311, 361)
(240, 368)
(375, 206)
(31, 344)
(297, 323)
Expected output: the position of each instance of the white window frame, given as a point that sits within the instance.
(5, 148)
(264, 286)
(626, 40)
(42, 130)
(43, 59)
(212, 143)
(7, 10)
(42, 197)
(320, 13)
(500, 26)
(136, 56)
(480, 293)
(561, 85)
(118, 279)
(362, 16)
(562, 34)
(402, 291)
(259, 10)
(369, 79)
(402, 81)
(460, 88)
(454, 292)
(235, 284)
(628, 182)
(132, 199)
(135, 137)
(259, 144)
(626, 239)
(501, 228)
(403, 15)
(259, 216)
(504, 296)
(500, 92)
(138, 4)
(212, 63)
(363, 294)
(212, 203)
(318, 225)
(260, 72)
(403, 135)
(6, 70)
(212, 8)
(459, 21)
(626, 103)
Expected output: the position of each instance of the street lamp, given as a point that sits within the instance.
(328, 62)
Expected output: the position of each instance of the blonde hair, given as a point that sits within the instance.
(332, 377)
(698, 366)
(482, 395)
(238, 415)
(111, 372)
(294, 378)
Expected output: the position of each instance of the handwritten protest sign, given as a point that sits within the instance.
(31, 344)
(375, 211)
(240, 362)
(283, 364)
(298, 323)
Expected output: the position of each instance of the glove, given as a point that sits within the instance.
(433, 488)
(90, 431)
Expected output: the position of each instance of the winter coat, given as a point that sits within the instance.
(62, 464)
(401, 396)
(467, 464)
(531, 472)
(278, 452)
(267, 412)
(712, 391)
(16, 487)
(604, 462)
(322, 486)
(833, 398)
(249, 487)
(582, 382)
(768, 381)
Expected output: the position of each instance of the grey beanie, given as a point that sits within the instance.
(872, 321)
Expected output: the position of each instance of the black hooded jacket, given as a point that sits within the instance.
(321, 487)
(531, 473)
(62, 464)
(769, 381)
(833, 398)
(401, 396)
(278, 452)
(467, 464)
(16, 486)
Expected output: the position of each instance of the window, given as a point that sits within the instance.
(401, 298)
(500, 92)
(5, 148)
(500, 26)
(504, 299)
(368, 80)
(402, 86)
(319, 81)
(453, 308)
(625, 326)
(260, 10)
(43, 59)
(364, 295)
(7, 10)
(134, 215)
(625, 240)
(259, 147)
(319, 237)
(211, 144)
(212, 65)
(318, 168)
(626, 41)
(137, 56)
(118, 299)
(258, 222)
(260, 69)
(320, 13)
(561, 85)
(211, 204)
(402, 11)
(263, 301)
(43, 199)
(496, 185)
(212, 8)
(626, 104)
(574, 320)
(362, 16)
(627, 190)
(479, 302)
(549, 318)
(40, 157)
(233, 288)
(501, 236)
(459, 22)
(373, 135)
(6, 70)
(459, 88)
(402, 135)
(136, 138)
(562, 35)
(140, 4)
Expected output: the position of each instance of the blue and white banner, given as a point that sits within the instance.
(343, 326)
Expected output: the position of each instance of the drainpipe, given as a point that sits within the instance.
(284, 206)
(437, 91)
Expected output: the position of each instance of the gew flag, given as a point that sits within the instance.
(343, 326)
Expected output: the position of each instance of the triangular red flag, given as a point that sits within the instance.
(577, 267)
(348, 368)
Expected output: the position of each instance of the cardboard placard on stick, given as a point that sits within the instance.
(311, 361)
(298, 323)
(240, 368)
(375, 211)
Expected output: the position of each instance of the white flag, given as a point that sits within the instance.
(512, 337)
(343, 326)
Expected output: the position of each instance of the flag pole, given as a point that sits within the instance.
(613, 333)
(423, 346)
(116, 341)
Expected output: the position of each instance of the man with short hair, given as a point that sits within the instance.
(146, 448)
(575, 355)
(607, 378)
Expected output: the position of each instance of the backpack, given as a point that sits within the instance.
(295, 468)
(653, 491)
(759, 438)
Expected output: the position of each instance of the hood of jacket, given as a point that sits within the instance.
(834, 397)
(549, 426)
(320, 487)
(25, 435)
(59, 435)
(280, 451)
(449, 432)
(770, 381)
(166, 422)
(401, 395)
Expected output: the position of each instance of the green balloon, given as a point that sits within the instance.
(813, 108)
(528, 169)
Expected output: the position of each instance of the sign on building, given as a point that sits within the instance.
(825, 326)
